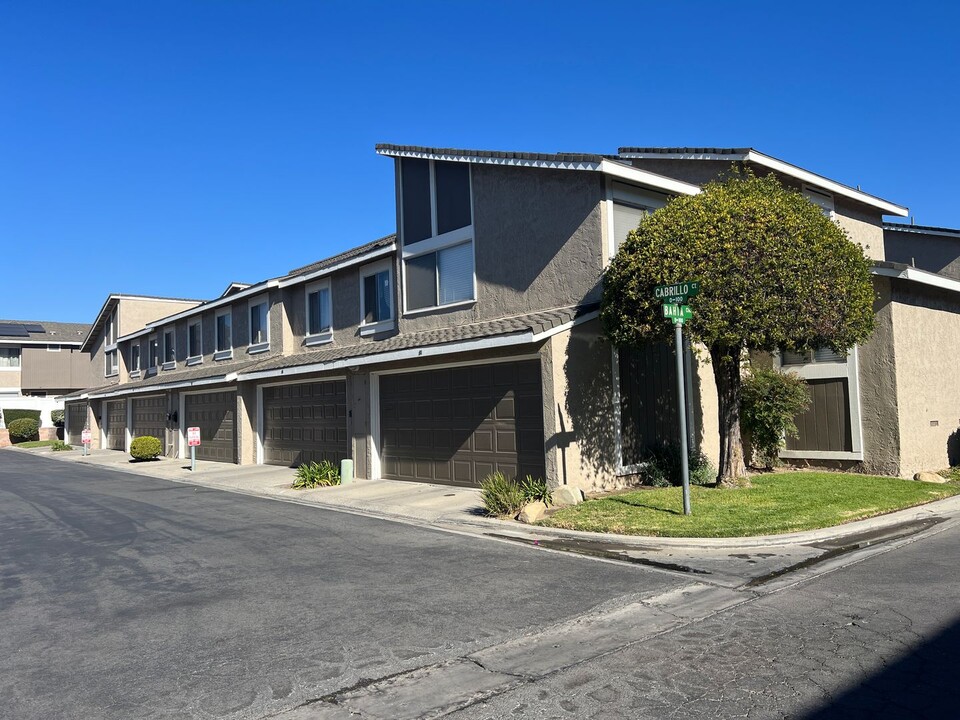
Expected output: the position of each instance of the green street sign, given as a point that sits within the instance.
(672, 311)
(678, 292)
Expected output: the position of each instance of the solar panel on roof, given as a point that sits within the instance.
(11, 330)
(33, 328)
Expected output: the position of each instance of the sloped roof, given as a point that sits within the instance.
(53, 332)
(385, 241)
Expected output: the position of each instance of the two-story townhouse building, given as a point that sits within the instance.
(468, 341)
(40, 361)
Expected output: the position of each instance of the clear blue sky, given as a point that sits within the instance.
(168, 148)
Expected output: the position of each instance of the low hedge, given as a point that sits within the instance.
(145, 447)
(11, 414)
(24, 429)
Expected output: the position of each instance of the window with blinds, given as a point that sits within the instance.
(440, 278)
(626, 218)
(823, 355)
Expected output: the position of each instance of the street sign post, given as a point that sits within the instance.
(85, 438)
(675, 309)
(193, 439)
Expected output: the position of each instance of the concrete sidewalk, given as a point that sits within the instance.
(731, 562)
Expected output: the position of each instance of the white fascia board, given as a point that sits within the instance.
(919, 276)
(648, 179)
(395, 356)
(358, 260)
(217, 380)
(586, 317)
(919, 230)
(486, 160)
(13, 341)
(219, 302)
(139, 333)
(786, 168)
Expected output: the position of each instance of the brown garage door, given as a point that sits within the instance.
(76, 421)
(305, 422)
(150, 417)
(457, 425)
(117, 425)
(214, 413)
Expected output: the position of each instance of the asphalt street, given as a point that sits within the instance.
(127, 597)
(879, 638)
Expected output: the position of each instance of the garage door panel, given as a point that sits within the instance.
(215, 414)
(305, 422)
(149, 417)
(474, 423)
(117, 425)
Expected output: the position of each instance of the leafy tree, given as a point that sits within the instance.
(774, 272)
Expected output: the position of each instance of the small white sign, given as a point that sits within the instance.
(193, 436)
(85, 437)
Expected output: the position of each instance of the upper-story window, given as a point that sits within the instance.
(376, 298)
(10, 358)
(436, 224)
(111, 332)
(259, 326)
(194, 343)
(630, 205)
(823, 355)
(153, 353)
(110, 364)
(319, 313)
(135, 358)
(169, 350)
(822, 200)
(224, 336)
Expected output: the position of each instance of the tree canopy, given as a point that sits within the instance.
(774, 272)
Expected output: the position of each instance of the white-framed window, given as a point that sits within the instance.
(830, 428)
(110, 364)
(153, 353)
(224, 333)
(10, 358)
(376, 297)
(135, 359)
(259, 325)
(169, 350)
(111, 331)
(436, 221)
(319, 313)
(628, 205)
(194, 343)
(822, 200)
(53, 347)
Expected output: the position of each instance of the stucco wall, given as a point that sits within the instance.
(66, 370)
(879, 414)
(579, 419)
(538, 244)
(926, 325)
(10, 378)
(936, 253)
(863, 224)
(135, 313)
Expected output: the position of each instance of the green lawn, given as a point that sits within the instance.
(777, 503)
(36, 443)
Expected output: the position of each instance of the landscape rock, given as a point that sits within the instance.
(930, 477)
(532, 512)
(566, 495)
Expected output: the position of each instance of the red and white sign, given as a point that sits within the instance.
(193, 436)
(85, 437)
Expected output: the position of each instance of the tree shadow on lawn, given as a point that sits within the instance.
(633, 503)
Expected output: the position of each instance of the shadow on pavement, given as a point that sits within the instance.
(921, 684)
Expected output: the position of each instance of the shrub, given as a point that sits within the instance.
(535, 489)
(145, 447)
(24, 429)
(60, 445)
(769, 404)
(11, 414)
(502, 496)
(662, 467)
(321, 474)
(56, 417)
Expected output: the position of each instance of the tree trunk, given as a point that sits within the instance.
(726, 372)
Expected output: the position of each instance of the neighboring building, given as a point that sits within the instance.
(40, 360)
(468, 342)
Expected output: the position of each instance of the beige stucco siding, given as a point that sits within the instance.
(864, 226)
(926, 325)
(9, 378)
(135, 313)
(580, 418)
